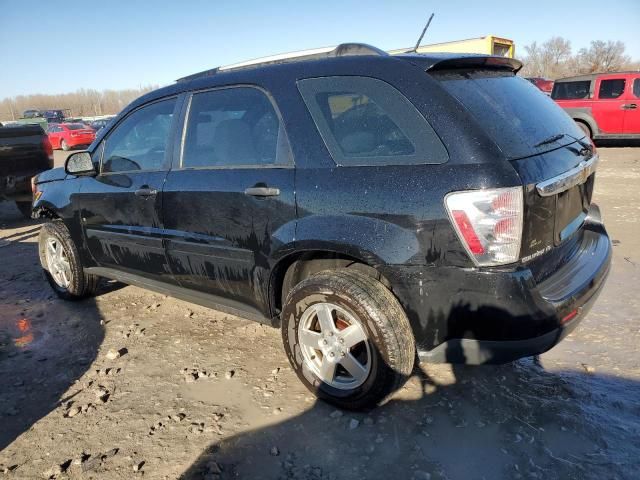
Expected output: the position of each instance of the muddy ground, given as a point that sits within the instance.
(201, 394)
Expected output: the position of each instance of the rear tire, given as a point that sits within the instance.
(353, 303)
(25, 208)
(584, 127)
(64, 146)
(62, 265)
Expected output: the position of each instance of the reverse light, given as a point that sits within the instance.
(488, 223)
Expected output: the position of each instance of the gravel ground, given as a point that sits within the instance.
(133, 384)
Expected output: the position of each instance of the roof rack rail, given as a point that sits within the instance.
(342, 50)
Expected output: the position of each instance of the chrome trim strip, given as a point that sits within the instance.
(568, 179)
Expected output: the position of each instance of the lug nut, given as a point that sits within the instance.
(331, 334)
(332, 354)
(324, 342)
(342, 340)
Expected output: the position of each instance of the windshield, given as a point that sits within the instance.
(516, 114)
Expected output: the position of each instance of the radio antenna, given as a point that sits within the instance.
(424, 30)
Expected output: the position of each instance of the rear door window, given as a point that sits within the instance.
(612, 88)
(571, 90)
(234, 127)
(636, 88)
(366, 121)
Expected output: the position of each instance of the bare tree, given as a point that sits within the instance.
(549, 60)
(79, 103)
(603, 57)
(554, 59)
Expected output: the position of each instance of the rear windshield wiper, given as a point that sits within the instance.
(551, 139)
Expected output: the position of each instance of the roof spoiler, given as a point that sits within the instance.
(342, 50)
(476, 61)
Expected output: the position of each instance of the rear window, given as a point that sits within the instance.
(515, 113)
(75, 126)
(571, 90)
(366, 121)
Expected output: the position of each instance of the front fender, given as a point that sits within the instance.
(58, 199)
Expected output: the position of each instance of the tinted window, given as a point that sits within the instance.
(636, 88)
(365, 121)
(516, 114)
(75, 126)
(140, 142)
(233, 127)
(611, 88)
(571, 90)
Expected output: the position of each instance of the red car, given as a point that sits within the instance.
(70, 135)
(604, 105)
(543, 84)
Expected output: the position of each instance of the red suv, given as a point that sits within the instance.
(604, 105)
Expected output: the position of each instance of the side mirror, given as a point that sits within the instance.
(79, 164)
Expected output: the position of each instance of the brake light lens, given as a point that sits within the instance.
(488, 223)
(48, 149)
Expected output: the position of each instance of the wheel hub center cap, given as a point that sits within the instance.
(332, 348)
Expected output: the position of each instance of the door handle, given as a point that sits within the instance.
(146, 192)
(629, 106)
(262, 192)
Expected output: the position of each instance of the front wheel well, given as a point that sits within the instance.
(297, 267)
(581, 122)
(44, 212)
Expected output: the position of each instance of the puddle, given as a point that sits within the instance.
(24, 327)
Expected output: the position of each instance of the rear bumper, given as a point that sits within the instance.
(15, 187)
(474, 316)
(86, 140)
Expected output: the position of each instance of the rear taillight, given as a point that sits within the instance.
(48, 149)
(488, 223)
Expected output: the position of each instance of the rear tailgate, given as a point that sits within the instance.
(543, 145)
(22, 151)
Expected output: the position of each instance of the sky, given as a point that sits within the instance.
(59, 47)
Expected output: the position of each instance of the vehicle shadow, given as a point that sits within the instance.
(511, 421)
(46, 344)
(618, 143)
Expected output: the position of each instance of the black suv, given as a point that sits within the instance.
(377, 208)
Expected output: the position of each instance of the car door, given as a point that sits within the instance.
(632, 106)
(53, 131)
(229, 200)
(121, 206)
(607, 109)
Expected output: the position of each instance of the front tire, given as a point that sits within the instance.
(347, 338)
(585, 128)
(62, 265)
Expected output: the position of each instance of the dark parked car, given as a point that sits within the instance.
(31, 114)
(376, 208)
(100, 124)
(54, 116)
(25, 151)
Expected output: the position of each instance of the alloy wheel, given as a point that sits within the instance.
(58, 262)
(335, 346)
